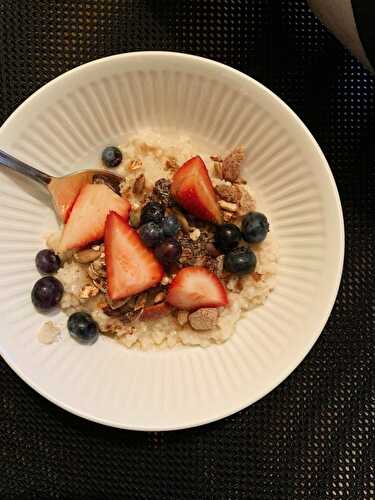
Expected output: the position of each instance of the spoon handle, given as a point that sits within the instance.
(8, 161)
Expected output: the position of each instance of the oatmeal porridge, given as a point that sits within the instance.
(173, 255)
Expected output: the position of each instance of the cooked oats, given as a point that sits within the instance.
(151, 153)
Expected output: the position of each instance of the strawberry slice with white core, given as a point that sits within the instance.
(192, 189)
(196, 287)
(87, 218)
(131, 266)
(65, 191)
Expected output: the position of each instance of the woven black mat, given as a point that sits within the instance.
(312, 437)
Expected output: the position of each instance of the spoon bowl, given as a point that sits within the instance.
(63, 190)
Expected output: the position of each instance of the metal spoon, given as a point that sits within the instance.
(56, 186)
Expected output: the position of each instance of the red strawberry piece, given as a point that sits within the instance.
(196, 287)
(131, 266)
(156, 311)
(65, 191)
(192, 189)
(87, 218)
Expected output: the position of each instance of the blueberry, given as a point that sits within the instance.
(255, 227)
(170, 226)
(241, 260)
(83, 328)
(169, 251)
(47, 293)
(47, 262)
(111, 156)
(151, 234)
(227, 237)
(152, 212)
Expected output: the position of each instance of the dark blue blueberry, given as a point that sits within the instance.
(111, 156)
(169, 251)
(47, 293)
(47, 262)
(83, 328)
(255, 227)
(151, 234)
(241, 260)
(170, 226)
(152, 212)
(227, 237)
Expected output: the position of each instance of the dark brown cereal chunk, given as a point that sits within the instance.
(162, 192)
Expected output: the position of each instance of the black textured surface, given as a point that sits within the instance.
(312, 437)
(364, 14)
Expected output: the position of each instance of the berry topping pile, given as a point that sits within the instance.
(152, 251)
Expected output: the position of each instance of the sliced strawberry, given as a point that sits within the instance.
(196, 287)
(87, 218)
(192, 189)
(65, 190)
(131, 266)
(156, 311)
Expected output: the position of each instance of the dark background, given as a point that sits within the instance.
(312, 437)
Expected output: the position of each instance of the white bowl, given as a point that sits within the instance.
(63, 127)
